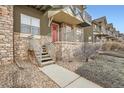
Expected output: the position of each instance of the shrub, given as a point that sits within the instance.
(87, 51)
(113, 46)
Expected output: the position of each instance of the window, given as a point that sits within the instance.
(100, 28)
(35, 26)
(69, 34)
(95, 26)
(78, 35)
(30, 25)
(89, 37)
(25, 24)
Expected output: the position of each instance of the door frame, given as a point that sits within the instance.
(57, 31)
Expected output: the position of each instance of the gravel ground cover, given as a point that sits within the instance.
(13, 77)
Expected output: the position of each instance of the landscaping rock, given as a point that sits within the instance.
(28, 77)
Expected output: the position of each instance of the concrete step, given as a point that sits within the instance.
(44, 53)
(46, 59)
(38, 57)
(44, 56)
(47, 63)
(43, 47)
(38, 53)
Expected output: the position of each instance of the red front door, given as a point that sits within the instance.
(54, 32)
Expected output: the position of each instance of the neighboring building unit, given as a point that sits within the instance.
(99, 29)
(121, 37)
(67, 27)
(102, 31)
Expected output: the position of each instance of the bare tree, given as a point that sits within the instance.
(89, 50)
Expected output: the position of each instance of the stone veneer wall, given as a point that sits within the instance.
(21, 46)
(66, 51)
(6, 34)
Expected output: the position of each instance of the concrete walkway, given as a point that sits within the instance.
(67, 79)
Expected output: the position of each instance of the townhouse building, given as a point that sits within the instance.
(71, 21)
(42, 32)
(99, 29)
(102, 31)
(121, 37)
(112, 33)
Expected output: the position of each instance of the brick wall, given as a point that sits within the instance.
(6, 34)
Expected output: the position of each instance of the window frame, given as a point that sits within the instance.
(30, 24)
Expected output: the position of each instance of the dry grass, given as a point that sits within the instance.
(107, 71)
(113, 46)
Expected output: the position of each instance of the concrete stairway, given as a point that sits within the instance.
(41, 53)
(46, 59)
(37, 52)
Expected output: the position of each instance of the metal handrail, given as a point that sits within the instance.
(86, 16)
(51, 49)
(109, 32)
(36, 47)
(103, 30)
(96, 29)
(83, 15)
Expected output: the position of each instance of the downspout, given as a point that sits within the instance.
(14, 61)
(13, 39)
(92, 34)
(84, 44)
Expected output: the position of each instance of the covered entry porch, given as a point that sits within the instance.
(68, 34)
(65, 26)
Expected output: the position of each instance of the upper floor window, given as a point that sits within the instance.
(95, 26)
(100, 27)
(69, 33)
(78, 35)
(30, 25)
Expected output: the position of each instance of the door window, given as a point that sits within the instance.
(69, 34)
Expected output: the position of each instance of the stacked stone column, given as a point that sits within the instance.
(6, 34)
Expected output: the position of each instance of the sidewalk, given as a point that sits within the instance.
(67, 79)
